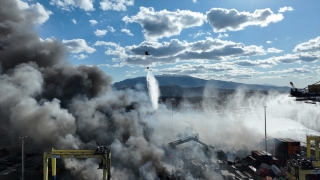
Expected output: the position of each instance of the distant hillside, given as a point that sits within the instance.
(187, 82)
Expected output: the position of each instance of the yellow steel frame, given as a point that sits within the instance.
(301, 173)
(54, 154)
(316, 140)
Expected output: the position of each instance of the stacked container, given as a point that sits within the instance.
(262, 157)
(285, 148)
(263, 170)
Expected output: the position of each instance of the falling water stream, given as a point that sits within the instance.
(153, 89)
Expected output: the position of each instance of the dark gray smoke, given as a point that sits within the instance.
(62, 106)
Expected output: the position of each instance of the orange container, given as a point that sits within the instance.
(296, 148)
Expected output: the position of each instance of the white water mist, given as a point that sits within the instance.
(153, 89)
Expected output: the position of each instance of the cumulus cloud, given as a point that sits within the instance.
(269, 42)
(274, 77)
(80, 56)
(292, 71)
(68, 5)
(34, 13)
(111, 29)
(262, 63)
(292, 58)
(312, 45)
(159, 24)
(231, 20)
(77, 46)
(274, 50)
(199, 34)
(117, 5)
(224, 35)
(100, 32)
(93, 22)
(112, 48)
(191, 68)
(304, 52)
(284, 9)
(178, 51)
(127, 31)
(74, 21)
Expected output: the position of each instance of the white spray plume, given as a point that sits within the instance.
(153, 89)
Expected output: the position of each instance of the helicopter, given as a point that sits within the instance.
(146, 53)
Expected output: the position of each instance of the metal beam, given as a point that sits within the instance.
(104, 154)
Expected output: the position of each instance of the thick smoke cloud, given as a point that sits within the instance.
(62, 106)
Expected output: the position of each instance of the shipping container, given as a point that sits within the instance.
(276, 170)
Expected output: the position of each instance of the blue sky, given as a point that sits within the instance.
(254, 42)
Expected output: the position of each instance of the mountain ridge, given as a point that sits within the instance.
(185, 81)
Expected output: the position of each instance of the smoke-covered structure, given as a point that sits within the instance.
(75, 107)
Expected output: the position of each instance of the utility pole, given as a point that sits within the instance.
(265, 126)
(22, 156)
(172, 100)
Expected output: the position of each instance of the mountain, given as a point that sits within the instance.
(193, 83)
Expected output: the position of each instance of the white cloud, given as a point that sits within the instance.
(274, 77)
(274, 50)
(80, 56)
(159, 24)
(191, 68)
(312, 45)
(74, 21)
(112, 48)
(77, 46)
(291, 58)
(284, 9)
(194, 1)
(287, 58)
(117, 5)
(262, 63)
(200, 33)
(104, 43)
(35, 13)
(101, 32)
(111, 29)
(178, 51)
(93, 22)
(230, 19)
(292, 71)
(222, 70)
(224, 35)
(304, 52)
(127, 31)
(269, 42)
(68, 5)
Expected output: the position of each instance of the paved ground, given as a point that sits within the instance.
(33, 170)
